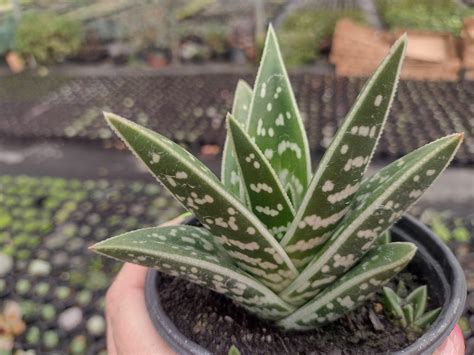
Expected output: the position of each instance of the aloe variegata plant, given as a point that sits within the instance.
(295, 248)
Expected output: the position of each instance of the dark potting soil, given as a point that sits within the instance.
(216, 323)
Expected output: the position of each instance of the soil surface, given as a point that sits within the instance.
(214, 322)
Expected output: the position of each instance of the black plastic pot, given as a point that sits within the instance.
(434, 263)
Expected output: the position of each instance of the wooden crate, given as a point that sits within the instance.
(357, 51)
(430, 56)
(467, 43)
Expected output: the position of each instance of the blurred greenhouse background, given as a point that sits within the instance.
(67, 181)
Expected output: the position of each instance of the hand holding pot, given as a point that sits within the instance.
(454, 345)
(129, 328)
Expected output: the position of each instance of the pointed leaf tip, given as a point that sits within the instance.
(230, 175)
(242, 84)
(275, 122)
(266, 196)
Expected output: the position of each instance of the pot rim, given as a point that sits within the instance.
(431, 248)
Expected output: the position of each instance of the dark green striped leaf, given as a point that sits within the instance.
(352, 289)
(390, 196)
(267, 198)
(275, 121)
(241, 234)
(338, 176)
(190, 253)
(230, 174)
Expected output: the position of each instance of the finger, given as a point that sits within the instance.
(111, 349)
(133, 331)
(130, 276)
(453, 345)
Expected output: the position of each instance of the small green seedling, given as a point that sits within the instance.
(233, 350)
(409, 312)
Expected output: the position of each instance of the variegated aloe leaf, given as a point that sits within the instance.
(230, 174)
(350, 290)
(190, 253)
(392, 192)
(241, 234)
(275, 121)
(267, 198)
(343, 165)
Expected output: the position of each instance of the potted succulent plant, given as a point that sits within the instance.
(296, 250)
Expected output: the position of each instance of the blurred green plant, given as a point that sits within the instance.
(435, 15)
(7, 31)
(446, 227)
(192, 8)
(47, 37)
(303, 33)
(213, 36)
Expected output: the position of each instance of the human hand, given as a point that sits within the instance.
(453, 345)
(129, 328)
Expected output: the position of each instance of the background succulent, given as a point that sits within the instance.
(289, 246)
(409, 311)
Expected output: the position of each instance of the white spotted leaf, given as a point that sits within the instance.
(191, 253)
(275, 121)
(230, 175)
(266, 196)
(343, 165)
(241, 234)
(392, 192)
(352, 289)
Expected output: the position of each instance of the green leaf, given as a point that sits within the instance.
(408, 312)
(233, 350)
(343, 165)
(352, 289)
(241, 234)
(418, 299)
(401, 290)
(392, 192)
(461, 234)
(426, 319)
(230, 175)
(384, 238)
(393, 307)
(275, 121)
(191, 253)
(267, 197)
